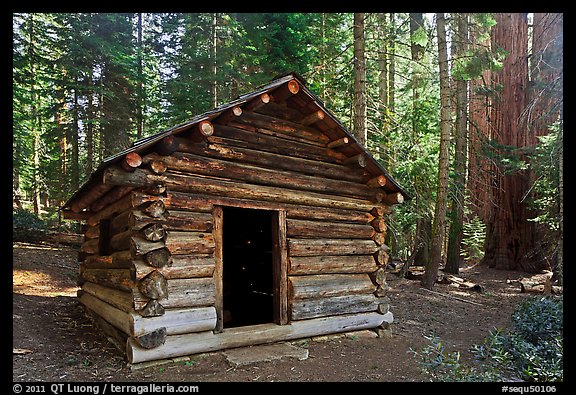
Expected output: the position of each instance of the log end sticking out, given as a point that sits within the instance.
(293, 86)
(205, 128)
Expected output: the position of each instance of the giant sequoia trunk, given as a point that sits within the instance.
(511, 241)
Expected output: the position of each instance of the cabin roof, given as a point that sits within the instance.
(309, 100)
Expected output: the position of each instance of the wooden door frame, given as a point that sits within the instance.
(279, 265)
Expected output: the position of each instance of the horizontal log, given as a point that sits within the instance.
(183, 266)
(358, 161)
(113, 334)
(92, 232)
(189, 292)
(157, 167)
(196, 164)
(121, 241)
(117, 207)
(120, 299)
(257, 103)
(262, 158)
(323, 229)
(195, 343)
(100, 262)
(89, 196)
(80, 216)
(176, 321)
(311, 247)
(113, 195)
(91, 246)
(336, 305)
(285, 91)
(227, 115)
(313, 117)
(122, 279)
(393, 198)
(189, 243)
(379, 211)
(189, 183)
(182, 200)
(140, 246)
(258, 140)
(338, 143)
(326, 285)
(376, 182)
(254, 140)
(280, 110)
(331, 264)
(113, 315)
(201, 130)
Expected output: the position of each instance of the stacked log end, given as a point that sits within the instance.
(156, 279)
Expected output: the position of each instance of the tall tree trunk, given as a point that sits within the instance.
(392, 61)
(360, 116)
(479, 168)
(431, 269)
(545, 108)
(323, 58)
(424, 222)
(417, 52)
(36, 121)
(559, 269)
(214, 65)
(140, 82)
(423, 237)
(90, 129)
(383, 85)
(453, 257)
(75, 168)
(511, 241)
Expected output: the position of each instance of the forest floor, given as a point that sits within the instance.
(54, 341)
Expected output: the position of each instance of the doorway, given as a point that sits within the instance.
(247, 267)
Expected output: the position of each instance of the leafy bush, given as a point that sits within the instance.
(25, 225)
(24, 219)
(531, 351)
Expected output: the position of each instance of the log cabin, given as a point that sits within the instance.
(260, 221)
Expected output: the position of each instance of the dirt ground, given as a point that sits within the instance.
(54, 341)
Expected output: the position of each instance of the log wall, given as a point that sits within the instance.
(150, 256)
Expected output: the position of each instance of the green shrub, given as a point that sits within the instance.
(25, 225)
(531, 351)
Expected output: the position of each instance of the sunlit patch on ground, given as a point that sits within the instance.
(34, 283)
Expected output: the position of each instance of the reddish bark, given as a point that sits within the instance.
(511, 241)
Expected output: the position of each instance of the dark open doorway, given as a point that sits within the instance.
(247, 278)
